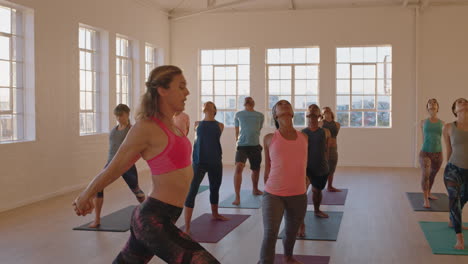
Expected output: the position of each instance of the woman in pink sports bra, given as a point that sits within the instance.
(285, 184)
(168, 153)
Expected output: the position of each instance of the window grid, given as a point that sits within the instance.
(364, 86)
(293, 75)
(123, 71)
(225, 80)
(151, 59)
(11, 75)
(89, 81)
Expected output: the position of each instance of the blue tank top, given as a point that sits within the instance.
(207, 146)
(432, 135)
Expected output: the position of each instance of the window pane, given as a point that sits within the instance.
(240, 101)
(343, 118)
(5, 19)
(229, 118)
(312, 72)
(343, 55)
(299, 119)
(125, 84)
(244, 72)
(311, 100)
(285, 72)
(244, 87)
(220, 116)
(220, 88)
(82, 60)
(383, 103)
(342, 103)
(88, 39)
(357, 102)
(82, 101)
(231, 102)
(206, 57)
(207, 87)
(18, 99)
(356, 119)
(4, 48)
(118, 47)
(369, 71)
(300, 87)
(89, 81)
(244, 56)
(383, 119)
(272, 99)
(82, 123)
(5, 99)
(89, 101)
(313, 55)
(231, 73)
(357, 71)
(384, 54)
(118, 84)
(342, 87)
(4, 73)
(342, 71)
(219, 57)
(17, 52)
(370, 54)
(300, 102)
(82, 80)
(357, 54)
(370, 119)
(88, 61)
(274, 87)
(299, 55)
(205, 99)
(368, 102)
(285, 88)
(17, 74)
(300, 72)
(231, 56)
(384, 87)
(369, 86)
(274, 72)
(312, 87)
(286, 56)
(357, 87)
(273, 56)
(207, 72)
(6, 128)
(220, 73)
(230, 87)
(220, 102)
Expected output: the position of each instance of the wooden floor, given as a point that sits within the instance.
(378, 225)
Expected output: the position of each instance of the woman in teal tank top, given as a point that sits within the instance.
(430, 157)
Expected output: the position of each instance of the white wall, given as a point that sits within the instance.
(327, 29)
(59, 160)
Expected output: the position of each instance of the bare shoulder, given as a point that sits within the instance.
(147, 127)
(267, 139)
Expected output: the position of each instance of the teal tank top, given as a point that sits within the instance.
(432, 135)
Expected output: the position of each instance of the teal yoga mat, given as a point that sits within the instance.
(248, 201)
(202, 188)
(441, 238)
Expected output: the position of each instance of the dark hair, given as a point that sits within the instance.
(454, 104)
(273, 112)
(160, 76)
(214, 106)
(120, 109)
(432, 99)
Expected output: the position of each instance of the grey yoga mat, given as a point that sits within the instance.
(248, 201)
(321, 228)
(440, 205)
(118, 221)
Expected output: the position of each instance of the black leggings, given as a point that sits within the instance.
(215, 176)
(131, 178)
(153, 232)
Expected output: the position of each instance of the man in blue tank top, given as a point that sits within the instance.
(248, 124)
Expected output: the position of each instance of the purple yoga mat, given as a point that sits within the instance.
(205, 229)
(305, 259)
(330, 198)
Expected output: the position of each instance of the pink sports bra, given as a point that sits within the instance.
(176, 155)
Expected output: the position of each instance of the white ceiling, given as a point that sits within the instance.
(181, 8)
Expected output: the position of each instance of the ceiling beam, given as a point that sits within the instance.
(210, 9)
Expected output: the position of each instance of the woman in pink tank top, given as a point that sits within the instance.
(285, 184)
(168, 154)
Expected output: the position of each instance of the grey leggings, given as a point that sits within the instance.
(294, 210)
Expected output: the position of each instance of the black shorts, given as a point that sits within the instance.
(253, 153)
(318, 181)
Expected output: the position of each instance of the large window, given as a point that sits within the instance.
(16, 93)
(364, 86)
(225, 80)
(124, 71)
(151, 59)
(293, 75)
(90, 88)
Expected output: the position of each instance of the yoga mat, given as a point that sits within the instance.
(205, 229)
(248, 201)
(330, 198)
(305, 259)
(321, 228)
(441, 238)
(118, 221)
(202, 188)
(440, 205)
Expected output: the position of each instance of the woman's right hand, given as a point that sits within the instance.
(83, 206)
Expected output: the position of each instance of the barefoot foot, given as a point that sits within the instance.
(426, 204)
(459, 245)
(321, 214)
(220, 217)
(236, 201)
(291, 260)
(94, 224)
(301, 231)
(432, 197)
(257, 192)
(333, 189)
